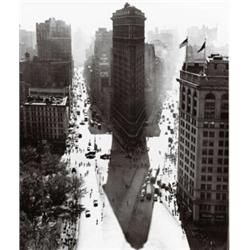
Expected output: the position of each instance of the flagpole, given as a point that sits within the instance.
(186, 55)
(204, 57)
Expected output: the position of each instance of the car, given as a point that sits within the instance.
(87, 213)
(88, 148)
(155, 197)
(82, 123)
(105, 156)
(95, 203)
(90, 155)
(142, 197)
(80, 135)
(85, 118)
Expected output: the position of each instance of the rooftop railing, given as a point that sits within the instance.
(202, 78)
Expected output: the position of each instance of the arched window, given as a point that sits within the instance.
(189, 101)
(183, 106)
(209, 109)
(194, 111)
(224, 107)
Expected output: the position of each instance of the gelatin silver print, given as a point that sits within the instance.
(124, 133)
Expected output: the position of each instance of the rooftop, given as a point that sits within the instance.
(44, 100)
(128, 10)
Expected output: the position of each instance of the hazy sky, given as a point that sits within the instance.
(89, 15)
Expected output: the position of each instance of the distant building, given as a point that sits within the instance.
(150, 78)
(128, 102)
(100, 85)
(54, 40)
(204, 139)
(45, 118)
(47, 74)
(27, 43)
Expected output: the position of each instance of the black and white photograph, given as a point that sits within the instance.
(123, 125)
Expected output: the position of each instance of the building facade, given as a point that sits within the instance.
(101, 83)
(54, 40)
(128, 104)
(45, 118)
(203, 139)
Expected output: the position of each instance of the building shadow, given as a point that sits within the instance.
(126, 175)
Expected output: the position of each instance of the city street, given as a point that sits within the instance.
(118, 214)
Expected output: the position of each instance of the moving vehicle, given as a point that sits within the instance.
(87, 213)
(148, 191)
(155, 197)
(105, 156)
(95, 203)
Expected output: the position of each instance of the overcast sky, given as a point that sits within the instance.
(89, 15)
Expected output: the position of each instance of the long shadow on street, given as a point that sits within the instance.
(125, 179)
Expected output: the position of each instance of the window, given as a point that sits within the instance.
(203, 177)
(203, 186)
(204, 151)
(226, 161)
(221, 143)
(224, 107)
(209, 107)
(209, 196)
(210, 160)
(210, 169)
(220, 152)
(221, 134)
(211, 144)
(218, 179)
(219, 170)
(224, 196)
(218, 187)
(210, 151)
(209, 178)
(205, 143)
(211, 133)
(217, 196)
(202, 196)
(220, 161)
(205, 133)
(209, 186)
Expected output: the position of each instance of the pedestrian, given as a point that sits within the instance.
(96, 221)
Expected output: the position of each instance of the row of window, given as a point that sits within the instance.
(219, 187)
(208, 207)
(208, 196)
(211, 134)
(219, 170)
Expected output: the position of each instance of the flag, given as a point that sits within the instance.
(202, 47)
(184, 43)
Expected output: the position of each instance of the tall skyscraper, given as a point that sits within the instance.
(128, 103)
(54, 40)
(203, 139)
